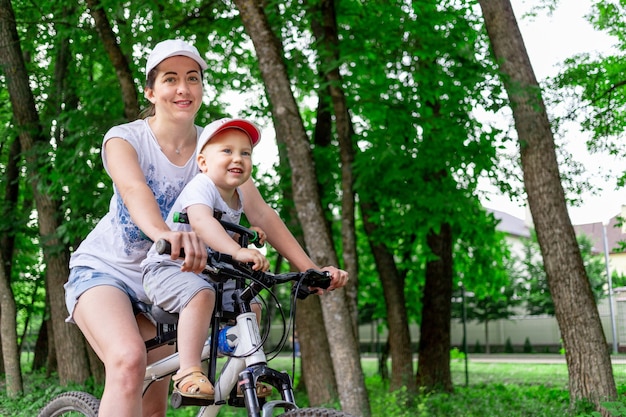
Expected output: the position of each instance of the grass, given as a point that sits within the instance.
(493, 389)
(480, 373)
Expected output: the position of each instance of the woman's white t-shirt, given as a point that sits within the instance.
(116, 245)
(200, 190)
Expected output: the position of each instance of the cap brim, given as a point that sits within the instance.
(218, 126)
(251, 130)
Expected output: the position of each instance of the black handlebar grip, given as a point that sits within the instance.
(164, 247)
(255, 239)
(324, 280)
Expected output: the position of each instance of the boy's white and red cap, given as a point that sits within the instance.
(220, 125)
(173, 47)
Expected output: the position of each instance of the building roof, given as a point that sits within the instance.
(510, 224)
(614, 234)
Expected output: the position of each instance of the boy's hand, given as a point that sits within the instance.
(260, 233)
(259, 262)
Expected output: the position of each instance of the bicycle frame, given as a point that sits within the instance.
(241, 343)
(246, 364)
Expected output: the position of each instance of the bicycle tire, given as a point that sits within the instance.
(315, 412)
(72, 403)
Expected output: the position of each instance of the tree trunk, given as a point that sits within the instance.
(433, 364)
(1, 356)
(289, 125)
(317, 365)
(325, 30)
(53, 364)
(586, 350)
(8, 334)
(318, 375)
(383, 370)
(7, 244)
(487, 348)
(40, 357)
(72, 364)
(392, 283)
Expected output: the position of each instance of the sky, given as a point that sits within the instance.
(549, 41)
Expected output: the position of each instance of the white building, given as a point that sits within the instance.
(543, 331)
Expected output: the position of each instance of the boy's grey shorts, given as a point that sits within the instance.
(171, 289)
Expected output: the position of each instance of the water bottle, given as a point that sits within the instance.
(226, 343)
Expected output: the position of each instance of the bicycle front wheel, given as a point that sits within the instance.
(315, 412)
(69, 404)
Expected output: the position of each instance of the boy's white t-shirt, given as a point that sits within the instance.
(200, 190)
(116, 245)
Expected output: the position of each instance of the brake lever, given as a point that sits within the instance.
(318, 279)
(301, 291)
(322, 280)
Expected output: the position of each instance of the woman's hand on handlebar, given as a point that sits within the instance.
(338, 279)
(194, 248)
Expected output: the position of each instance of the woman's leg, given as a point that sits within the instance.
(105, 316)
(155, 398)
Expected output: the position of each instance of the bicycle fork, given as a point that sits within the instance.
(281, 380)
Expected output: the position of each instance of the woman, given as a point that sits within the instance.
(150, 160)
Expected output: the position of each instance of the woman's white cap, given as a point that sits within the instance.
(217, 126)
(170, 48)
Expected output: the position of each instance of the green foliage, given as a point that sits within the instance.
(478, 347)
(39, 389)
(488, 289)
(590, 86)
(532, 281)
(396, 126)
(481, 258)
(508, 346)
(615, 409)
(500, 400)
(496, 389)
(456, 355)
(528, 348)
(399, 403)
(413, 76)
(486, 308)
(618, 280)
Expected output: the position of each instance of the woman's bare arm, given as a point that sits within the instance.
(260, 214)
(123, 166)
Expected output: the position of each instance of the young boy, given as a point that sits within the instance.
(224, 156)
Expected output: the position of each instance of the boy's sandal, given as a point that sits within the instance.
(262, 390)
(192, 382)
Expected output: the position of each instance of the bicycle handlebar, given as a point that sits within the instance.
(251, 235)
(223, 266)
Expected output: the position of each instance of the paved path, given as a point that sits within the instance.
(530, 358)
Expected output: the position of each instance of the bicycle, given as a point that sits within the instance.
(235, 336)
